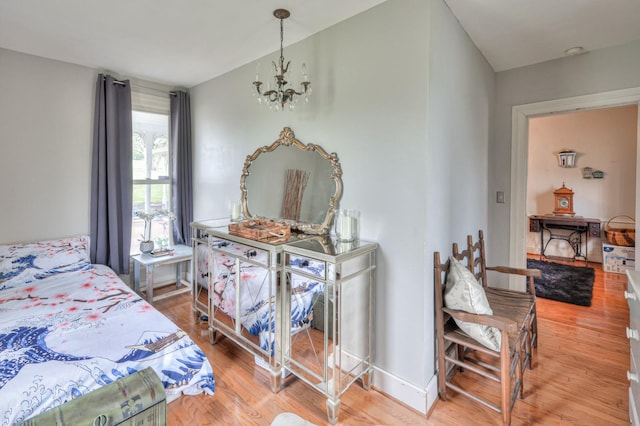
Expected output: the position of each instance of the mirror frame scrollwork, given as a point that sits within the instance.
(288, 139)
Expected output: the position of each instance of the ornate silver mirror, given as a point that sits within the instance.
(292, 183)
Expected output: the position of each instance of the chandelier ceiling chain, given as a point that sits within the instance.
(280, 95)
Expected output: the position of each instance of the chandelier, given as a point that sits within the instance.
(281, 94)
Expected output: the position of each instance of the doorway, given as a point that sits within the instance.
(519, 157)
(601, 174)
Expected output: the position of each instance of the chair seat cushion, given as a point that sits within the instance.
(464, 293)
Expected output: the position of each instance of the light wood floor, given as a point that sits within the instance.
(579, 376)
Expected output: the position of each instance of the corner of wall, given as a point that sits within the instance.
(419, 399)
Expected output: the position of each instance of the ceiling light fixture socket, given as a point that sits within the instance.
(281, 13)
(573, 51)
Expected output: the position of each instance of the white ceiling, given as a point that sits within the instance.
(187, 42)
(179, 42)
(515, 33)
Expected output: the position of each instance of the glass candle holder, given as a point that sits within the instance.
(235, 211)
(347, 225)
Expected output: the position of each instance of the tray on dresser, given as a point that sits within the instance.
(260, 230)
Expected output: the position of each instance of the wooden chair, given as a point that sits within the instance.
(504, 298)
(458, 353)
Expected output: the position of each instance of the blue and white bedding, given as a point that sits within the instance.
(257, 293)
(68, 327)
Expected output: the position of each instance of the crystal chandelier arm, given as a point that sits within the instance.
(281, 95)
(257, 84)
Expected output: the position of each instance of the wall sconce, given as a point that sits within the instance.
(567, 158)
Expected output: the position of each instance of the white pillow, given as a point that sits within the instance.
(464, 293)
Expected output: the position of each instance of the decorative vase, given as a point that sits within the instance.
(146, 246)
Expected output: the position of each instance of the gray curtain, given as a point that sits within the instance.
(182, 184)
(111, 175)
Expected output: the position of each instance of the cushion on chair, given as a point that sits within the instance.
(464, 293)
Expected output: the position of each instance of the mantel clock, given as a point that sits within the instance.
(563, 203)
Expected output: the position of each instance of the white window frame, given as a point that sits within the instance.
(150, 103)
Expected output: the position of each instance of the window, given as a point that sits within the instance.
(151, 177)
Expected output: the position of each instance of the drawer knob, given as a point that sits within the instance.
(630, 295)
(632, 377)
(633, 334)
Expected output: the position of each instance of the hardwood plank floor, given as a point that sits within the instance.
(579, 376)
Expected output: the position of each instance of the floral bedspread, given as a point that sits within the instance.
(68, 327)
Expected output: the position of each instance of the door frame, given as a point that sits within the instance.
(520, 115)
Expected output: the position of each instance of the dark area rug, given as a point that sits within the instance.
(565, 283)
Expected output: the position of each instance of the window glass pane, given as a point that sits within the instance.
(151, 159)
(150, 198)
(150, 145)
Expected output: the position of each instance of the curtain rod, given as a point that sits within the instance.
(122, 83)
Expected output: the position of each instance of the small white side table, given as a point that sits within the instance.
(180, 255)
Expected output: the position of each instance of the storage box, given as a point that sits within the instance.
(261, 230)
(618, 259)
(138, 399)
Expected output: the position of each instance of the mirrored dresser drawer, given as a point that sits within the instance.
(633, 334)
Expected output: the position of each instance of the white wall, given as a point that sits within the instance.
(404, 98)
(604, 139)
(460, 102)
(46, 116)
(594, 72)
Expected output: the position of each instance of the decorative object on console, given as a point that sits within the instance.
(280, 95)
(261, 230)
(347, 225)
(563, 203)
(165, 242)
(146, 246)
(263, 194)
(235, 212)
(567, 158)
(295, 185)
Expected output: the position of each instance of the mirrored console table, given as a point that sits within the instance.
(237, 290)
(329, 346)
(303, 306)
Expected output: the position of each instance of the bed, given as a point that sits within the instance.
(68, 327)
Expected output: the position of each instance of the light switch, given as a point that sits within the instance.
(500, 197)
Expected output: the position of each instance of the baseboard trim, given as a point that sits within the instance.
(419, 399)
(394, 387)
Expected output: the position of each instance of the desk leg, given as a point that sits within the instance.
(136, 277)
(586, 248)
(150, 284)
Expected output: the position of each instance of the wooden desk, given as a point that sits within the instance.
(576, 227)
